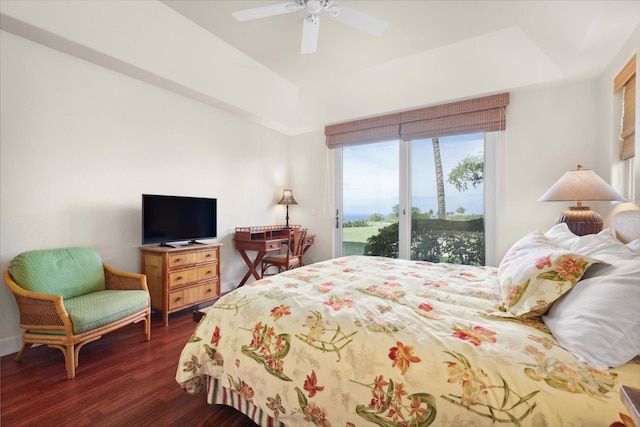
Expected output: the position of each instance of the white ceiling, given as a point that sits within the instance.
(578, 37)
(432, 51)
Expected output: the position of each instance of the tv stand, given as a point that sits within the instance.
(193, 242)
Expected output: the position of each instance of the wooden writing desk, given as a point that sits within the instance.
(263, 239)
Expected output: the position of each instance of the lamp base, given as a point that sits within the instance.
(581, 220)
(287, 224)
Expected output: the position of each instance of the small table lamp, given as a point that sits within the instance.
(581, 185)
(287, 199)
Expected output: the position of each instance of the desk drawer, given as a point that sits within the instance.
(191, 275)
(259, 245)
(273, 246)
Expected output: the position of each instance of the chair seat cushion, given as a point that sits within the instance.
(100, 308)
(69, 272)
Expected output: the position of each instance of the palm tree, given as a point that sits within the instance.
(442, 213)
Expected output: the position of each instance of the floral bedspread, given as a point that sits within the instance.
(359, 341)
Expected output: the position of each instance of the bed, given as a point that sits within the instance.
(545, 339)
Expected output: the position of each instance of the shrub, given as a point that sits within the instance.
(434, 240)
(355, 223)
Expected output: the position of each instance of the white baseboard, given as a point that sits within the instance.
(10, 345)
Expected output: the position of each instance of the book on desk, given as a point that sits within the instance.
(263, 239)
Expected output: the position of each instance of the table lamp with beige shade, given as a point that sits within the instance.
(287, 199)
(578, 186)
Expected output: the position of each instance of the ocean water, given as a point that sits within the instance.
(353, 216)
(472, 206)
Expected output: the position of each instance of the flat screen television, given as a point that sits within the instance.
(167, 219)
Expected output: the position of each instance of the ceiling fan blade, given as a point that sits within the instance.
(310, 29)
(360, 20)
(265, 11)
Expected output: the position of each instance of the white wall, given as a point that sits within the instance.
(79, 144)
(550, 130)
(312, 178)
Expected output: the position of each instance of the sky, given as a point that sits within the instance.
(371, 176)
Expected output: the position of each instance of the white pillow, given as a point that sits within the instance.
(634, 245)
(560, 235)
(603, 246)
(599, 319)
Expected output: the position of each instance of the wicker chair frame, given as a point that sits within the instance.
(47, 321)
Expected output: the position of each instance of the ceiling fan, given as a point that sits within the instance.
(311, 23)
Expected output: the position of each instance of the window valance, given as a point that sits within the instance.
(485, 114)
(625, 81)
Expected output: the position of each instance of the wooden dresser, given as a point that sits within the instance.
(181, 277)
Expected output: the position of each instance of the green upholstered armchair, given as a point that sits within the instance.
(68, 298)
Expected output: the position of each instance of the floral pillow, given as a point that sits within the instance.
(535, 272)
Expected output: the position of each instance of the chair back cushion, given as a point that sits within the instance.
(69, 272)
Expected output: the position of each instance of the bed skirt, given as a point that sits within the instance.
(220, 395)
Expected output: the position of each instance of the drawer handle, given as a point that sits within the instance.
(179, 278)
(209, 272)
(179, 299)
(208, 256)
(178, 259)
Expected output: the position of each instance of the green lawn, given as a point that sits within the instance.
(354, 238)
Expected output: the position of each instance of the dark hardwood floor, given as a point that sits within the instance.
(121, 380)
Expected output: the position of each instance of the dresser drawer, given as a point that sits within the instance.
(206, 256)
(192, 275)
(182, 259)
(193, 295)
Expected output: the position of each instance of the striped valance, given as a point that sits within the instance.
(486, 114)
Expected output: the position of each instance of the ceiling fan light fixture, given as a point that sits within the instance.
(313, 6)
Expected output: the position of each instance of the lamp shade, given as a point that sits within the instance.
(580, 185)
(287, 198)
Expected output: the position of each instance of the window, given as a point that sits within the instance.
(624, 86)
(388, 182)
(625, 82)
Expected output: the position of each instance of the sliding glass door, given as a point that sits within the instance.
(421, 199)
(370, 192)
(447, 199)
